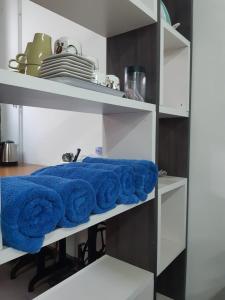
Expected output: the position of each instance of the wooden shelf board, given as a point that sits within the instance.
(105, 17)
(170, 112)
(20, 170)
(26, 90)
(172, 38)
(107, 278)
(8, 254)
(170, 250)
(169, 183)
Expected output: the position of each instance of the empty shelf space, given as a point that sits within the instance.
(162, 297)
(170, 112)
(169, 183)
(172, 38)
(26, 90)
(105, 17)
(170, 250)
(8, 254)
(107, 278)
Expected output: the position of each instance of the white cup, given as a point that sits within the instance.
(67, 45)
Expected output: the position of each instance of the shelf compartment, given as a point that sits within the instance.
(26, 90)
(107, 278)
(170, 112)
(172, 207)
(105, 17)
(8, 254)
(175, 71)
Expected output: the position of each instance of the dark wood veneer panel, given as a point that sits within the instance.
(174, 145)
(130, 236)
(137, 47)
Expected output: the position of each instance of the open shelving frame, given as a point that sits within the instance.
(157, 130)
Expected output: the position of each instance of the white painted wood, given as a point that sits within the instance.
(175, 70)
(26, 90)
(105, 17)
(172, 208)
(170, 112)
(107, 278)
(169, 183)
(8, 254)
(130, 135)
(162, 297)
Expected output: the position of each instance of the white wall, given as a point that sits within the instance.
(206, 241)
(49, 133)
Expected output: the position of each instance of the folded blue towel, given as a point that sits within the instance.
(125, 175)
(146, 173)
(105, 183)
(29, 211)
(78, 197)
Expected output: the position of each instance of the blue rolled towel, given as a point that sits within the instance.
(146, 173)
(125, 175)
(29, 211)
(78, 197)
(105, 183)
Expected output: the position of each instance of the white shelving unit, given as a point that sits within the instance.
(8, 254)
(175, 73)
(105, 17)
(107, 278)
(172, 209)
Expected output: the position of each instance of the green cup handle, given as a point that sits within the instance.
(11, 66)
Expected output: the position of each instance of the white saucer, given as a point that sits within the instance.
(74, 57)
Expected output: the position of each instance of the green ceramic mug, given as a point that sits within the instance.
(20, 62)
(41, 48)
(32, 70)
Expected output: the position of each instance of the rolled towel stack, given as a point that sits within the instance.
(105, 183)
(29, 211)
(146, 173)
(78, 198)
(125, 175)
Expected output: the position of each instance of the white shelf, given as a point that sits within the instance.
(26, 90)
(172, 38)
(172, 208)
(107, 278)
(175, 72)
(169, 183)
(162, 297)
(8, 254)
(105, 17)
(170, 112)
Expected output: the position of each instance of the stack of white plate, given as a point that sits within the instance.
(68, 65)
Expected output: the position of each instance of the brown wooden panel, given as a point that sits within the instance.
(174, 146)
(137, 47)
(22, 169)
(130, 236)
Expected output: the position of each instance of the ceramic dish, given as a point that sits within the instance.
(165, 14)
(66, 62)
(65, 68)
(60, 70)
(66, 74)
(74, 57)
(87, 85)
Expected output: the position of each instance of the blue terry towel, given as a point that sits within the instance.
(105, 183)
(78, 197)
(125, 175)
(29, 211)
(146, 173)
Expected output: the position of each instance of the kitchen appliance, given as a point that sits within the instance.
(8, 153)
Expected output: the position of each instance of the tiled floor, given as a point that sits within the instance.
(17, 289)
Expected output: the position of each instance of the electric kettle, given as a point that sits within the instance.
(8, 153)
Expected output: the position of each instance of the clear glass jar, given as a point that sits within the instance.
(135, 83)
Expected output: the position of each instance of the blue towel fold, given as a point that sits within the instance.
(105, 183)
(78, 197)
(125, 175)
(29, 211)
(146, 173)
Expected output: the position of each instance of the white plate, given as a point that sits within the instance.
(59, 70)
(66, 74)
(74, 57)
(66, 62)
(66, 68)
